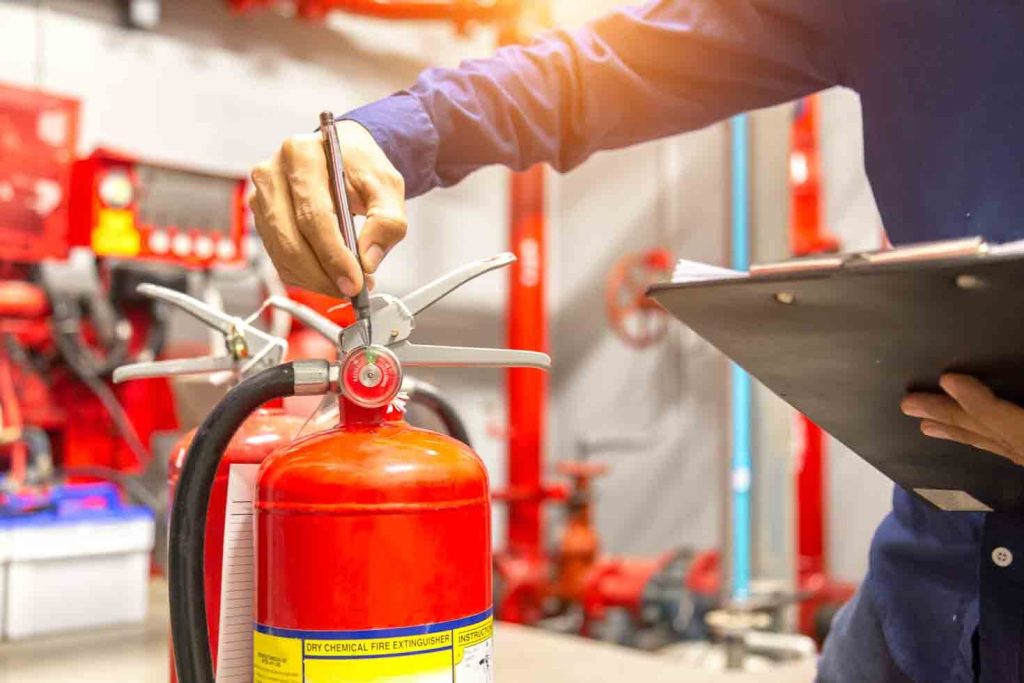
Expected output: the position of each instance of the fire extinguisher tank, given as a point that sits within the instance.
(366, 535)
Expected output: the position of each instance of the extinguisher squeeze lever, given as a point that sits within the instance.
(394, 320)
(248, 348)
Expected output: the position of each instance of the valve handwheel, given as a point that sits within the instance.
(634, 317)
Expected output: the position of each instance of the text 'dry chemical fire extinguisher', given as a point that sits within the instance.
(248, 350)
(372, 539)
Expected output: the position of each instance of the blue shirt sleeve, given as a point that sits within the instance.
(635, 74)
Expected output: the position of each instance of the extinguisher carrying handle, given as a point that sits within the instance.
(193, 660)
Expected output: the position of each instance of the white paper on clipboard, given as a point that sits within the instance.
(234, 650)
(687, 271)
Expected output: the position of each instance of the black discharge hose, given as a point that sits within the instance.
(192, 658)
(433, 400)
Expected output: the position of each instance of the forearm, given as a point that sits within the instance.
(633, 75)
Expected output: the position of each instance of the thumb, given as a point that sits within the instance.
(384, 228)
(1002, 417)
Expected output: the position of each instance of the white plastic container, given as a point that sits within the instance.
(77, 572)
(4, 542)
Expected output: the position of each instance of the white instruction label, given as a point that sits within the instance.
(234, 649)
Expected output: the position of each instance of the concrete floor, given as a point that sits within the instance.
(129, 654)
(138, 654)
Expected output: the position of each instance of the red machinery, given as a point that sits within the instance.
(38, 137)
(633, 585)
(77, 237)
(37, 145)
(402, 514)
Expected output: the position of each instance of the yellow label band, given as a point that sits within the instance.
(458, 651)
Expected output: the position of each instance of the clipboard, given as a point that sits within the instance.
(843, 338)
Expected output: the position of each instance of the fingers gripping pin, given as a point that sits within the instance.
(339, 196)
(248, 348)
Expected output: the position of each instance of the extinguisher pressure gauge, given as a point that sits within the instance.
(371, 376)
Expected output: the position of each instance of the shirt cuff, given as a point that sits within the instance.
(404, 130)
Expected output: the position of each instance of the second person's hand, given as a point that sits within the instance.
(295, 216)
(969, 413)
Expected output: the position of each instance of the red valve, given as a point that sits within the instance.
(634, 317)
(582, 469)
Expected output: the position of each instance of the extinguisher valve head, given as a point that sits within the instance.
(371, 376)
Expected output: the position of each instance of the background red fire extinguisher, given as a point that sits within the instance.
(249, 350)
(372, 556)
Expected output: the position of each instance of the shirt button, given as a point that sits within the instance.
(1002, 557)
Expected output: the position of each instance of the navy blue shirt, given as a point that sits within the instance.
(942, 88)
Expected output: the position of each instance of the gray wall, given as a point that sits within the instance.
(218, 91)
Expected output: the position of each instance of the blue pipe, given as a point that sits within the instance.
(740, 460)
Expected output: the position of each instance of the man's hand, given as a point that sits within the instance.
(296, 219)
(970, 414)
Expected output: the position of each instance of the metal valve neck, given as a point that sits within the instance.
(357, 417)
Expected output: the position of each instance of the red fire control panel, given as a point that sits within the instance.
(126, 208)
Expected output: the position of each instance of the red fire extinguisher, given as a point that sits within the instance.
(248, 351)
(372, 556)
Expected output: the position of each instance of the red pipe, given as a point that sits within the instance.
(808, 236)
(527, 389)
(458, 11)
(811, 500)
